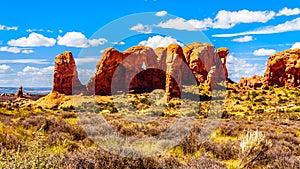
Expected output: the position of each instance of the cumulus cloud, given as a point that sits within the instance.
(264, 52)
(142, 28)
(85, 74)
(293, 25)
(296, 45)
(182, 24)
(28, 70)
(4, 68)
(73, 39)
(60, 31)
(33, 76)
(159, 41)
(243, 39)
(161, 13)
(223, 20)
(78, 40)
(33, 40)
(236, 71)
(228, 19)
(8, 28)
(288, 12)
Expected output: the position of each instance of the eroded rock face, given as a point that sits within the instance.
(283, 69)
(100, 83)
(174, 60)
(140, 69)
(223, 52)
(65, 79)
(252, 82)
(207, 65)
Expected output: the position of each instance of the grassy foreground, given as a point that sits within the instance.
(257, 129)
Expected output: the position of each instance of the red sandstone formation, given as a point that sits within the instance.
(65, 75)
(141, 68)
(283, 69)
(252, 82)
(174, 60)
(223, 52)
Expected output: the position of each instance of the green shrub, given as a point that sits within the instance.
(282, 100)
(294, 116)
(259, 111)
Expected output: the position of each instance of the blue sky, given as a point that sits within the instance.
(32, 33)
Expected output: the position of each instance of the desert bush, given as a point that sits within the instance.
(282, 100)
(294, 116)
(259, 111)
(205, 163)
(224, 151)
(253, 147)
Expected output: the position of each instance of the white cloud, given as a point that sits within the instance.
(97, 42)
(118, 43)
(223, 20)
(236, 71)
(159, 41)
(85, 74)
(228, 19)
(84, 60)
(264, 52)
(142, 28)
(293, 25)
(60, 31)
(78, 40)
(296, 45)
(10, 49)
(33, 40)
(288, 12)
(15, 50)
(28, 70)
(243, 39)
(25, 61)
(5, 69)
(161, 13)
(27, 51)
(73, 39)
(35, 30)
(33, 76)
(179, 24)
(8, 28)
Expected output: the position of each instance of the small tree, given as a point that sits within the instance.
(253, 147)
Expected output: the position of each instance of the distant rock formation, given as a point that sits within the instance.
(141, 69)
(65, 79)
(19, 93)
(283, 69)
(252, 82)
